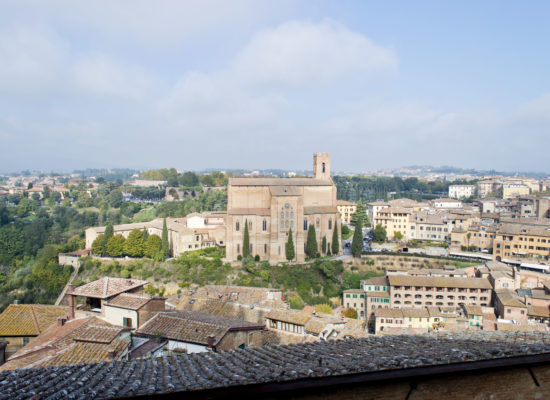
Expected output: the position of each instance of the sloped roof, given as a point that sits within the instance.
(312, 362)
(249, 211)
(388, 313)
(59, 345)
(509, 299)
(193, 327)
(538, 311)
(285, 191)
(29, 319)
(473, 309)
(107, 287)
(320, 210)
(279, 182)
(291, 316)
(130, 301)
(439, 281)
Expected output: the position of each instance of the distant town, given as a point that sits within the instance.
(128, 266)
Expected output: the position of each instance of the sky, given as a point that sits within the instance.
(264, 84)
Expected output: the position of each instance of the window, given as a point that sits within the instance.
(264, 225)
(127, 322)
(238, 248)
(330, 224)
(25, 341)
(237, 226)
(305, 224)
(265, 248)
(317, 222)
(323, 168)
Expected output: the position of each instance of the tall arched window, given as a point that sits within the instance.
(237, 226)
(305, 224)
(323, 168)
(238, 248)
(264, 225)
(317, 222)
(330, 224)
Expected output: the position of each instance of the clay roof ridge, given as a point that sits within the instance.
(105, 286)
(35, 320)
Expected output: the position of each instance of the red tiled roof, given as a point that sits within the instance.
(29, 319)
(130, 301)
(107, 287)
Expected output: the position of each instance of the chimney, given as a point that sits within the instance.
(61, 321)
(70, 289)
(211, 341)
(517, 279)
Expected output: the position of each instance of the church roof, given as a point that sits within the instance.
(279, 182)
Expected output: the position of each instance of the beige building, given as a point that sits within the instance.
(346, 210)
(519, 241)
(394, 220)
(196, 231)
(514, 189)
(274, 206)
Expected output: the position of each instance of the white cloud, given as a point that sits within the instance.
(305, 53)
(99, 74)
(31, 60)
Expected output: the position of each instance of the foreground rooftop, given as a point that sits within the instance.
(269, 368)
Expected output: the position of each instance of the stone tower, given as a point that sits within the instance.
(321, 166)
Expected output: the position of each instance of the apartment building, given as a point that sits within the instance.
(415, 291)
(461, 191)
(488, 187)
(394, 220)
(514, 189)
(522, 241)
(478, 235)
(446, 203)
(374, 207)
(432, 227)
(346, 210)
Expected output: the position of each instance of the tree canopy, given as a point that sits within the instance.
(289, 249)
(379, 233)
(311, 243)
(357, 241)
(246, 240)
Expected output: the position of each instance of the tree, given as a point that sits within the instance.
(152, 246)
(360, 214)
(115, 198)
(189, 179)
(311, 242)
(145, 234)
(108, 234)
(357, 242)
(335, 242)
(468, 236)
(165, 242)
(324, 244)
(398, 235)
(115, 246)
(133, 246)
(246, 240)
(379, 233)
(289, 250)
(97, 246)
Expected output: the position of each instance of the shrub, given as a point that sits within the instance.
(239, 257)
(296, 302)
(349, 313)
(323, 308)
(125, 274)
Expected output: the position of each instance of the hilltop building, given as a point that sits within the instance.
(274, 206)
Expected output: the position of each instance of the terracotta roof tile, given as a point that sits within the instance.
(130, 301)
(193, 327)
(290, 316)
(107, 287)
(439, 281)
(29, 319)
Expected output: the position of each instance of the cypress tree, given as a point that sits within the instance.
(289, 250)
(360, 214)
(109, 233)
(357, 242)
(246, 240)
(335, 242)
(145, 234)
(324, 245)
(165, 243)
(311, 243)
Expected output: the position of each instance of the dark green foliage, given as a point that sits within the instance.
(379, 233)
(257, 258)
(97, 246)
(311, 242)
(324, 245)
(115, 198)
(133, 246)
(335, 241)
(360, 214)
(145, 235)
(108, 234)
(165, 242)
(115, 246)
(246, 241)
(189, 179)
(289, 248)
(357, 242)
